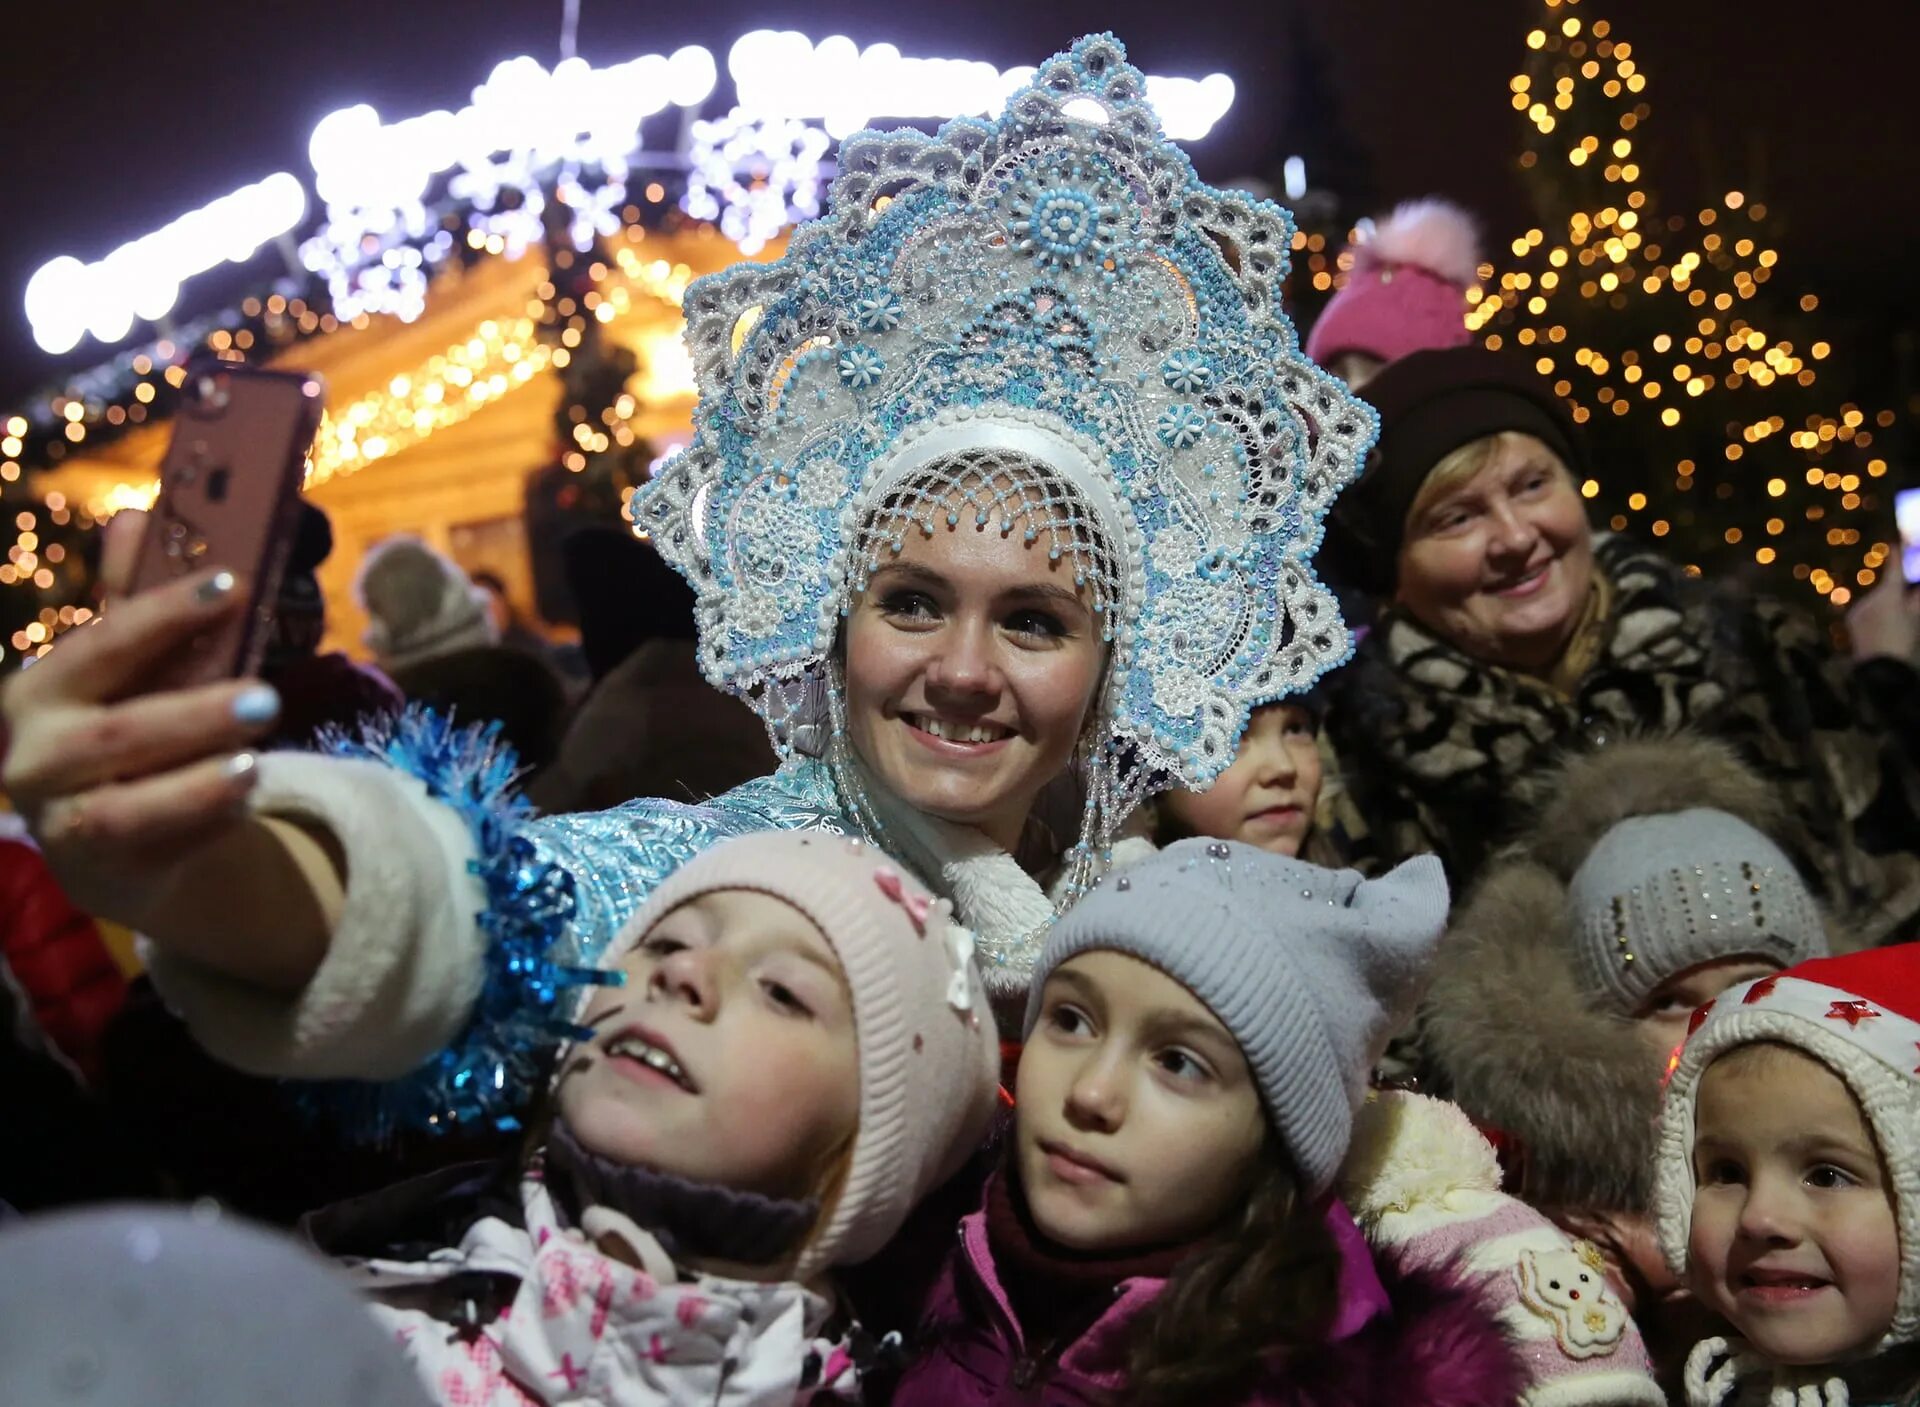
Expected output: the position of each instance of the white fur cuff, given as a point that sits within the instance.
(403, 968)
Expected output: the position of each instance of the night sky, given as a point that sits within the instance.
(118, 118)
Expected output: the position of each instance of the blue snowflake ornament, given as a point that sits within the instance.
(1181, 426)
(1064, 218)
(861, 367)
(878, 312)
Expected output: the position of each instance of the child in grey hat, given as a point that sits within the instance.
(1167, 1226)
(1643, 889)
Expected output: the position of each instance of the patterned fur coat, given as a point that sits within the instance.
(1443, 753)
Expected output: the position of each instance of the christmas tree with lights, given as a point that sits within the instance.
(1713, 404)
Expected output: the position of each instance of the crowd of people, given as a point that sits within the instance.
(976, 920)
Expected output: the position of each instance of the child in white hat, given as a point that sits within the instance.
(1788, 1184)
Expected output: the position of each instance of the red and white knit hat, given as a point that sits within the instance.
(1857, 1015)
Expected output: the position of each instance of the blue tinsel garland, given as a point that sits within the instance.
(486, 1075)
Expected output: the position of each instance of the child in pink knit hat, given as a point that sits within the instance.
(1406, 292)
(800, 1051)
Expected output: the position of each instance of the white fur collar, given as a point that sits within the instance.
(1007, 908)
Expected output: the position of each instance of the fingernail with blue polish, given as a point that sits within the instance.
(258, 704)
(216, 587)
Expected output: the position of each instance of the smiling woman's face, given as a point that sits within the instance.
(971, 661)
(1500, 565)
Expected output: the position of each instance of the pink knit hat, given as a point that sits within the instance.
(1407, 289)
(929, 1057)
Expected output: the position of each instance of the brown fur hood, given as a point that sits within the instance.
(1506, 1029)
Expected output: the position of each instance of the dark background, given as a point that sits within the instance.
(119, 117)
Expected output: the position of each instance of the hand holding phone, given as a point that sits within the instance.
(128, 743)
(229, 497)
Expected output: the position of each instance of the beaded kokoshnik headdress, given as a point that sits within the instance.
(1043, 323)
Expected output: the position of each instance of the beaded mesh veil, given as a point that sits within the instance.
(1043, 324)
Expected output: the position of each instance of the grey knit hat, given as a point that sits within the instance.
(1310, 969)
(1660, 894)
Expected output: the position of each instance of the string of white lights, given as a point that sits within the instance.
(377, 241)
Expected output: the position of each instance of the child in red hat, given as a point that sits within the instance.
(1788, 1183)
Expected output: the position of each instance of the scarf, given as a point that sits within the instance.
(691, 1220)
(1008, 909)
(1052, 1286)
(1588, 641)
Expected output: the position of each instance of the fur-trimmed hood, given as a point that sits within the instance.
(1508, 1031)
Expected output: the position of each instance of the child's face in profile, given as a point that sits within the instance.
(1139, 1121)
(728, 1057)
(1266, 797)
(1794, 1238)
(1663, 1016)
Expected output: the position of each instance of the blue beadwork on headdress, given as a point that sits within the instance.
(1056, 278)
(485, 1075)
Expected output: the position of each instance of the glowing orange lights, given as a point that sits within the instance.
(1582, 96)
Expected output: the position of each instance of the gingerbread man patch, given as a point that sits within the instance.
(1569, 1290)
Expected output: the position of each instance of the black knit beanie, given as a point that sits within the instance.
(1430, 404)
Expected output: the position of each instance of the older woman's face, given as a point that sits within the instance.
(1501, 566)
(971, 663)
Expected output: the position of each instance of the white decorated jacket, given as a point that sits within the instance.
(1421, 1180)
(584, 1328)
(459, 904)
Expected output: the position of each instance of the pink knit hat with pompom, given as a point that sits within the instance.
(1407, 289)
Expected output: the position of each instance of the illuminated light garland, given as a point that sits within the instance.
(67, 300)
(784, 74)
(499, 357)
(378, 245)
(1616, 253)
(498, 157)
(755, 175)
